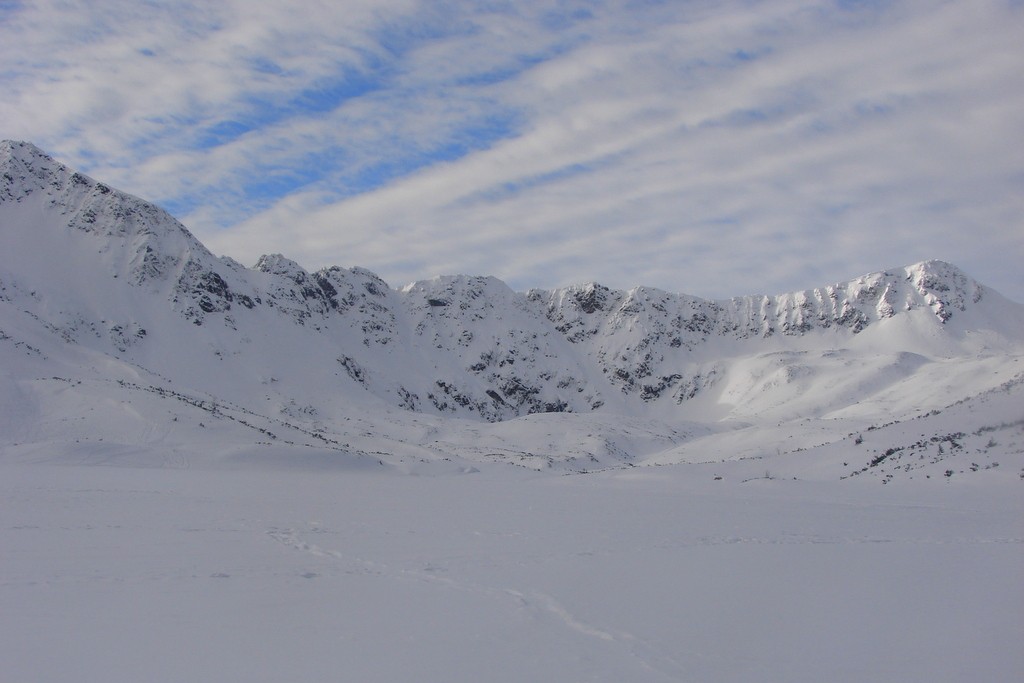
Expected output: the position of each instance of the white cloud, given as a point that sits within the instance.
(716, 148)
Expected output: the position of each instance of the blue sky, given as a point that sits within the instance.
(713, 148)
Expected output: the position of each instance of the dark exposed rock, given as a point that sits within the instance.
(592, 298)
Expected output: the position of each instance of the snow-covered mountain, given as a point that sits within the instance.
(248, 424)
(118, 326)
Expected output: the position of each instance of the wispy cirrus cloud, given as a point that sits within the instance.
(716, 148)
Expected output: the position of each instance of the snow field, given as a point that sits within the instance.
(644, 574)
(216, 473)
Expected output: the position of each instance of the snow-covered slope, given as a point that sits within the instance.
(248, 423)
(116, 324)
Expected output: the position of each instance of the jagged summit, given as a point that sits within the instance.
(20, 149)
(27, 173)
(24, 168)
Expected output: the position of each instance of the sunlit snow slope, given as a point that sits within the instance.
(124, 339)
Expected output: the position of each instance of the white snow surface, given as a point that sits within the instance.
(212, 472)
(647, 574)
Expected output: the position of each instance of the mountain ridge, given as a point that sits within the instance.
(89, 266)
(931, 276)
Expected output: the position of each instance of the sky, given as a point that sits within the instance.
(714, 148)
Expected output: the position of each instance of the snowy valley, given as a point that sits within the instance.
(626, 485)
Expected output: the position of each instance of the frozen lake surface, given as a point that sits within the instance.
(643, 574)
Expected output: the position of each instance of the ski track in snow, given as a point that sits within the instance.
(546, 608)
(540, 605)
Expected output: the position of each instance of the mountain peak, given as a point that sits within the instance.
(936, 274)
(24, 168)
(944, 286)
(22, 149)
(276, 264)
(20, 161)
